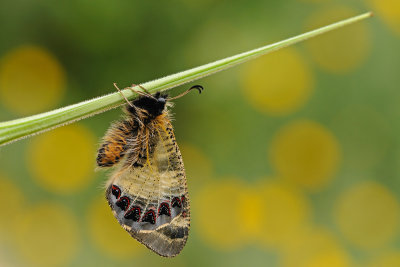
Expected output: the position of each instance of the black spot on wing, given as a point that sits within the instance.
(116, 191)
(137, 164)
(150, 217)
(164, 209)
(183, 201)
(123, 203)
(174, 232)
(176, 202)
(133, 214)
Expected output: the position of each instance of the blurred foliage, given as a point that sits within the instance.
(292, 159)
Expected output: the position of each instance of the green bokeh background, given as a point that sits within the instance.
(332, 156)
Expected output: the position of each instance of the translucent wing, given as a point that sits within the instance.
(148, 195)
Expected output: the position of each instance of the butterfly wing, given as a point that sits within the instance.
(149, 196)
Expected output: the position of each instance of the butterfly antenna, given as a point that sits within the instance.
(126, 99)
(145, 93)
(144, 89)
(197, 87)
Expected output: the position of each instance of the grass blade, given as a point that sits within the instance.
(11, 131)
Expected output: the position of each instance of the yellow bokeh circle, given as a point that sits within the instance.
(285, 212)
(47, 235)
(368, 215)
(314, 247)
(220, 224)
(106, 233)
(31, 80)
(248, 212)
(305, 152)
(62, 160)
(389, 11)
(342, 50)
(279, 83)
(12, 203)
(335, 257)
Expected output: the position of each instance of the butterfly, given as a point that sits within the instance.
(147, 191)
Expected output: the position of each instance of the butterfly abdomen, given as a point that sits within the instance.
(115, 143)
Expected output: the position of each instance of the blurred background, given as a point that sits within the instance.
(292, 159)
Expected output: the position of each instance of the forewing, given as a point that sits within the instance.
(149, 197)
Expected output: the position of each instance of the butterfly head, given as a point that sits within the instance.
(154, 105)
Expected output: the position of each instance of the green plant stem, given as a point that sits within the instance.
(14, 130)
